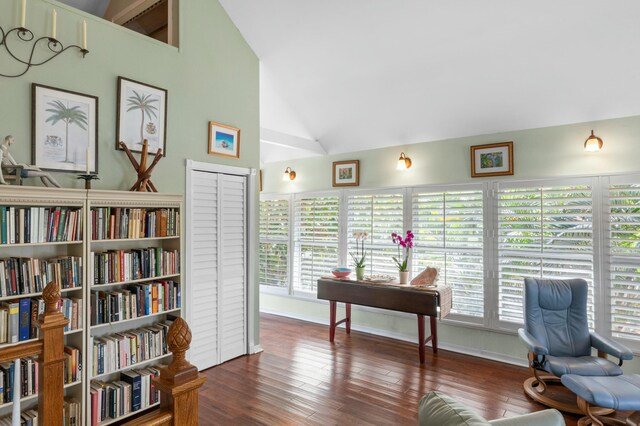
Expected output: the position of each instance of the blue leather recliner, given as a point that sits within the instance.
(558, 338)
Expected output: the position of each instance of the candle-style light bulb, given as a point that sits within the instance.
(23, 15)
(84, 35)
(54, 17)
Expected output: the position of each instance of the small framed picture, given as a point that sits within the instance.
(495, 159)
(224, 140)
(142, 114)
(64, 130)
(346, 173)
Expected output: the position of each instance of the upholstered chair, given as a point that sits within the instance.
(557, 335)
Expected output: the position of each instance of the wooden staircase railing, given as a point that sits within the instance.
(178, 383)
(50, 348)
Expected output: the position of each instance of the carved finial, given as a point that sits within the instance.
(51, 296)
(178, 340)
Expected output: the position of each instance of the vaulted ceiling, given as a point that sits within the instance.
(347, 75)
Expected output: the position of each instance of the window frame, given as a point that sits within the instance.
(281, 291)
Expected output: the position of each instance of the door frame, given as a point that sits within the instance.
(253, 337)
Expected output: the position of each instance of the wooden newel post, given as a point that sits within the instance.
(179, 381)
(51, 372)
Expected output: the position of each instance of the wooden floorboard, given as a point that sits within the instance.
(302, 379)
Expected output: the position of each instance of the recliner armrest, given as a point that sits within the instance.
(532, 343)
(616, 349)
(539, 418)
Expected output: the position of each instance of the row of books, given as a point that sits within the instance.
(133, 392)
(23, 275)
(71, 413)
(27, 418)
(116, 266)
(19, 225)
(121, 350)
(134, 301)
(109, 223)
(18, 317)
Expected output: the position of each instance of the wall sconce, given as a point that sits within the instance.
(404, 162)
(288, 175)
(593, 143)
(21, 33)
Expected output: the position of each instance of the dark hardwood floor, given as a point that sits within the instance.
(302, 379)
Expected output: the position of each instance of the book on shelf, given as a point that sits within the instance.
(72, 413)
(27, 418)
(114, 266)
(109, 223)
(133, 392)
(72, 364)
(18, 317)
(22, 275)
(120, 350)
(134, 301)
(29, 367)
(39, 224)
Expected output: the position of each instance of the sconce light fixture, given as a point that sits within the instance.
(404, 162)
(593, 143)
(288, 175)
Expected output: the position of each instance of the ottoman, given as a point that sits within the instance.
(616, 392)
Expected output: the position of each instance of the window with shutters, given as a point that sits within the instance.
(624, 266)
(543, 232)
(448, 229)
(315, 240)
(274, 242)
(379, 215)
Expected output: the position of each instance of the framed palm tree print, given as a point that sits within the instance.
(64, 130)
(142, 114)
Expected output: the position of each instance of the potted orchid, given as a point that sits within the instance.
(358, 257)
(404, 245)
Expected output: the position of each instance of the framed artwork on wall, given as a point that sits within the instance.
(224, 140)
(495, 159)
(141, 114)
(346, 173)
(64, 130)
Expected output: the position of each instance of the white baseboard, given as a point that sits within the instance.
(255, 349)
(494, 356)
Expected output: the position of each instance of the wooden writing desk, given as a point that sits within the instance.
(419, 301)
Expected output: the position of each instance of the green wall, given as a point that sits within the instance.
(212, 76)
(538, 153)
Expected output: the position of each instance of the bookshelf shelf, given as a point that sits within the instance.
(121, 240)
(132, 366)
(53, 243)
(141, 280)
(109, 324)
(8, 345)
(25, 399)
(133, 413)
(21, 296)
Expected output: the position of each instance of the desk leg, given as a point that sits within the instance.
(332, 320)
(434, 334)
(347, 308)
(421, 337)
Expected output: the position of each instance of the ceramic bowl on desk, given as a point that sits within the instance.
(341, 272)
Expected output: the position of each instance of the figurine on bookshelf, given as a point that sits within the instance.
(12, 168)
(144, 174)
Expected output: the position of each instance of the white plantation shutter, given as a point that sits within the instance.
(379, 215)
(203, 220)
(274, 242)
(624, 267)
(316, 234)
(232, 305)
(543, 232)
(448, 229)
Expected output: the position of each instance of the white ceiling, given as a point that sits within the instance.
(362, 74)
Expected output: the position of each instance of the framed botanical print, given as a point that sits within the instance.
(346, 173)
(64, 130)
(494, 159)
(224, 140)
(141, 114)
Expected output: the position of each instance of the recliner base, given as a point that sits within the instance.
(532, 384)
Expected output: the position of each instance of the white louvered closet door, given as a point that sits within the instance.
(218, 268)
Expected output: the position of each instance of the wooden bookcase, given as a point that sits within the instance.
(85, 248)
(120, 203)
(33, 197)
